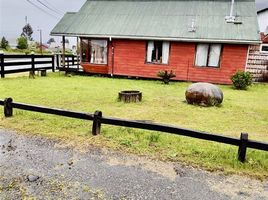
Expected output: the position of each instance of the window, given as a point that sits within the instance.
(157, 52)
(84, 50)
(264, 48)
(94, 51)
(208, 55)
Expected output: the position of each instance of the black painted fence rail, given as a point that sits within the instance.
(8, 61)
(243, 142)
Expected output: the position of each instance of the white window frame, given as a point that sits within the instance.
(165, 52)
(207, 54)
(265, 52)
(92, 57)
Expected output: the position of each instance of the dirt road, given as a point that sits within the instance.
(34, 167)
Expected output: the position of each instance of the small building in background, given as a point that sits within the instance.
(257, 62)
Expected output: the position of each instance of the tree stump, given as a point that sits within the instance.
(129, 96)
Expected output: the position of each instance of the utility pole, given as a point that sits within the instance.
(41, 49)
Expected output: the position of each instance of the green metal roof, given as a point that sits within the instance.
(163, 19)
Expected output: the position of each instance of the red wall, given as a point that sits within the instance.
(130, 57)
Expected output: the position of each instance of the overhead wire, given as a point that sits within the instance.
(52, 15)
(48, 7)
(52, 6)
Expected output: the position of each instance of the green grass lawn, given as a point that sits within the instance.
(241, 111)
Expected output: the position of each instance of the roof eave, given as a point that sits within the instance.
(231, 41)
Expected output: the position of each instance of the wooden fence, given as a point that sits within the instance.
(9, 63)
(243, 142)
(72, 62)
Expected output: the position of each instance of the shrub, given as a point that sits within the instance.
(241, 80)
(22, 43)
(166, 76)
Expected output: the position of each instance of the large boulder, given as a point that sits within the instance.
(204, 94)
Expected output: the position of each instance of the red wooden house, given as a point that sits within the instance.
(200, 40)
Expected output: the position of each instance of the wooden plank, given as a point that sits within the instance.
(96, 127)
(2, 67)
(26, 63)
(257, 145)
(170, 129)
(18, 56)
(17, 63)
(243, 147)
(8, 109)
(13, 71)
(54, 111)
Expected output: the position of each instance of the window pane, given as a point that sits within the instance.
(264, 48)
(201, 55)
(150, 49)
(98, 51)
(155, 51)
(84, 50)
(214, 55)
(157, 54)
(165, 51)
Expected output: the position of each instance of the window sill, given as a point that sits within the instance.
(93, 64)
(206, 67)
(154, 63)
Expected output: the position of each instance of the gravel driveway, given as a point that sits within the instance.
(34, 167)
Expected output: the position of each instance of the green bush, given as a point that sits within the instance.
(241, 80)
(22, 43)
(166, 76)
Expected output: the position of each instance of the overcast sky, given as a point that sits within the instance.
(13, 12)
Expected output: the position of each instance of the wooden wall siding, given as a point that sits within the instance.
(233, 58)
(257, 63)
(130, 60)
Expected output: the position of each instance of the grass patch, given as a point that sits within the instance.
(241, 111)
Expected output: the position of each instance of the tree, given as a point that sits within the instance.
(22, 43)
(51, 40)
(4, 43)
(27, 32)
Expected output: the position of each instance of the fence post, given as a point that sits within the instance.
(53, 63)
(72, 59)
(96, 128)
(78, 61)
(8, 110)
(32, 72)
(58, 60)
(2, 64)
(242, 150)
(68, 64)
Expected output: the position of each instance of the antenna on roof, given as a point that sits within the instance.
(231, 17)
(192, 28)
